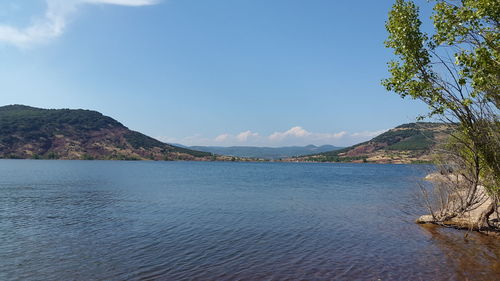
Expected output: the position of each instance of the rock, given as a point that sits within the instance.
(466, 220)
(443, 178)
(425, 219)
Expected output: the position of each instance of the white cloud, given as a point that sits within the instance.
(294, 136)
(54, 21)
(244, 136)
(300, 135)
(293, 132)
(222, 138)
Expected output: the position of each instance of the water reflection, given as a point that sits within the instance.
(471, 255)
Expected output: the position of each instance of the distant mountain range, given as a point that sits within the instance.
(270, 153)
(408, 143)
(29, 132)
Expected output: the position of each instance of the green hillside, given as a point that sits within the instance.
(408, 143)
(29, 132)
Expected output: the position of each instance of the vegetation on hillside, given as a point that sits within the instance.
(28, 132)
(408, 143)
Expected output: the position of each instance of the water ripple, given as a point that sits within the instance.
(225, 221)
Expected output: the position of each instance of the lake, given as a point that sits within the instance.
(112, 220)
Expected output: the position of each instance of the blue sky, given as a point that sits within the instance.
(208, 72)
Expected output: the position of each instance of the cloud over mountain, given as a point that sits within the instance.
(293, 136)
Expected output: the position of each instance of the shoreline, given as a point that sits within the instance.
(228, 160)
(468, 219)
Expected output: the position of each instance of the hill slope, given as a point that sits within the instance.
(28, 132)
(270, 153)
(408, 143)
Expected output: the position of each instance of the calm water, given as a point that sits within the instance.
(100, 220)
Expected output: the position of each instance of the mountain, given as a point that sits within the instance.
(29, 132)
(408, 143)
(265, 152)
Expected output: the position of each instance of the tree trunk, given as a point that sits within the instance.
(483, 220)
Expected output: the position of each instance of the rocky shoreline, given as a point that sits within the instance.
(468, 220)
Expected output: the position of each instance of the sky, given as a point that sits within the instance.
(208, 72)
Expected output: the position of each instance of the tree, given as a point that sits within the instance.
(456, 72)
